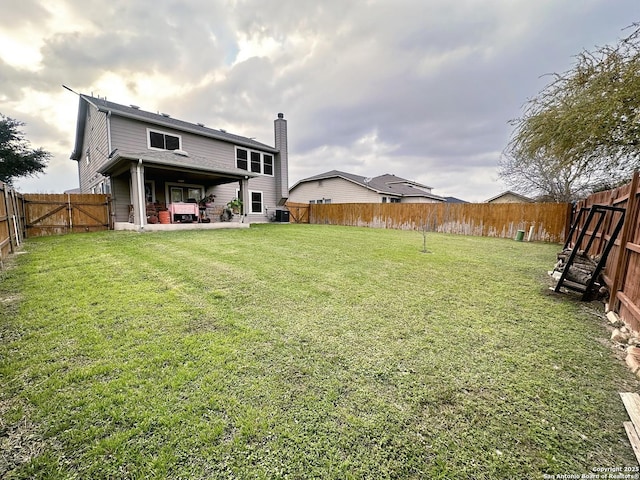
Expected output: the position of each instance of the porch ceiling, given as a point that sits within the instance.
(187, 167)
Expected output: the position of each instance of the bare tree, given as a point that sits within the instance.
(583, 128)
(428, 225)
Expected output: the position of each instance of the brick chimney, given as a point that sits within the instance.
(282, 159)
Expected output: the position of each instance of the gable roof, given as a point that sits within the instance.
(161, 120)
(509, 192)
(387, 184)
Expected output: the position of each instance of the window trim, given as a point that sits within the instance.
(149, 130)
(251, 152)
(251, 192)
(272, 165)
(259, 162)
(246, 159)
(168, 185)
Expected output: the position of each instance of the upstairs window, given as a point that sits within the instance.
(256, 162)
(267, 161)
(241, 159)
(163, 141)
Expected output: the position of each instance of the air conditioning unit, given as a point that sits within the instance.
(282, 216)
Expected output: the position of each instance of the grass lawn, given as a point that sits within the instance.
(301, 351)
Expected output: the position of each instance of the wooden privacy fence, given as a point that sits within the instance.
(622, 268)
(56, 214)
(11, 220)
(548, 221)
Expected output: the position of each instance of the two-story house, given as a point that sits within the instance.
(151, 160)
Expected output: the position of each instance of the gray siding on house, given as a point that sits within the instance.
(227, 192)
(95, 142)
(131, 136)
(338, 190)
(121, 197)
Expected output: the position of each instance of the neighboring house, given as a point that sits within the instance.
(147, 160)
(341, 187)
(509, 197)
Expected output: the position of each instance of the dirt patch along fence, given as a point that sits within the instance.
(622, 268)
(11, 220)
(56, 214)
(547, 222)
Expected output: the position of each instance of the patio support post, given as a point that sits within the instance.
(244, 192)
(137, 194)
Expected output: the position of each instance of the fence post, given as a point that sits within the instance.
(622, 264)
(16, 218)
(23, 215)
(8, 217)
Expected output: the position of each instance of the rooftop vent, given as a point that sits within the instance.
(135, 107)
(182, 153)
(223, 130)
(165, 115)
(200, 124)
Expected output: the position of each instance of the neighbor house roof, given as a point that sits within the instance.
(509, 192)
(385, 184)
(454, 200)
(159, 119)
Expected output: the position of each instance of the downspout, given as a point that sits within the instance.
(140, 193)
(109, 133)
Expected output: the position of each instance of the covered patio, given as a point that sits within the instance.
(170, 190)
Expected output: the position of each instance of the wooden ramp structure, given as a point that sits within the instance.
(588, 284)
(631, 402)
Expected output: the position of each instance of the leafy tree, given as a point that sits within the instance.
(583, 128)
(17, 158)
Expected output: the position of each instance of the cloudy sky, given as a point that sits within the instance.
(423, 89)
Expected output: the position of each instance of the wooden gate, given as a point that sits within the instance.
(298, 212)
(56, 214)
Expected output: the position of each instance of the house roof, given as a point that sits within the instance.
(173, 158)
(509, 192)
(158, 119)
(387, 184)
(454, 200)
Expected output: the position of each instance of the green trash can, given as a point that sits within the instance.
(519, 235)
